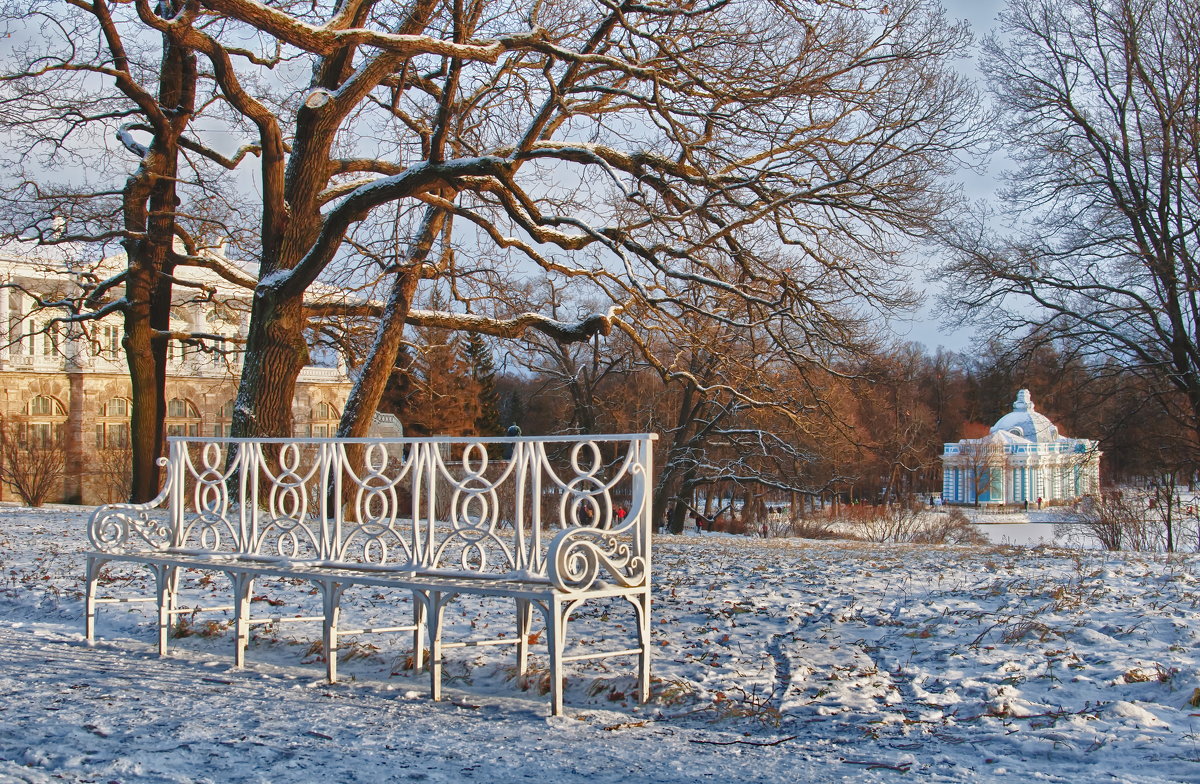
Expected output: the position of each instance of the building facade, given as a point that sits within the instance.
(69, 385)
(1023, 459)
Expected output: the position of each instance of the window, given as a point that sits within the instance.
(225, 427)
(182, 418)
(40, 434)
(108, 340)
(43, 421)
(45, 406)
(112, 431)
(49, 340)
(324, 421)
(112, 435)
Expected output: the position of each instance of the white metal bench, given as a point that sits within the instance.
(437, 517)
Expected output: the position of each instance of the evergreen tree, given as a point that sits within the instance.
(483, 371)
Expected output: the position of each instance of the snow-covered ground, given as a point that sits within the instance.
(776, 660)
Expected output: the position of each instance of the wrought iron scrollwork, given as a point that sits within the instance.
(119, 528)
(582, 556)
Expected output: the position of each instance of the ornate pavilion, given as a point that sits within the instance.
(1023, 459)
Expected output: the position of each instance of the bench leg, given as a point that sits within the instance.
(331, 599)
(643, 611)
(418, 631)
(166, 584)
(92, 575)
(243, 585)
(524, 621)
(434, 609)
(556, 622)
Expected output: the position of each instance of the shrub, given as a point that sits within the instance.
(913, 524)
(1118, 520)
(809, 528)
(952, 528)
(33, 467)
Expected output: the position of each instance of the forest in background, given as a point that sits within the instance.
(871, 427)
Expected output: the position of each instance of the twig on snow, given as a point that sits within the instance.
(745, 742)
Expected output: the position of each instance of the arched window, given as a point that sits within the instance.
(182, 418)
(44, 417)
(324, 421)
(112, 430)
(44, 406)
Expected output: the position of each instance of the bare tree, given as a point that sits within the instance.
(580, 372)
(33, 465)
(112, 467)
(1118, 520)
(984, 461)
(92, 96)
(645, 150)
(1099, 107)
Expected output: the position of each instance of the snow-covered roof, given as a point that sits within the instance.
(1005, 437)
(1027, 423)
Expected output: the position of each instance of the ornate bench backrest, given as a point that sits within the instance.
(477, 507)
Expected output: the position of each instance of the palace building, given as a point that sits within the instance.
(70, 384)
(1023, 459)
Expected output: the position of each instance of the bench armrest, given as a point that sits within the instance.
(120, 528)
(580, 557)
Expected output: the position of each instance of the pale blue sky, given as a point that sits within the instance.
(923, 327)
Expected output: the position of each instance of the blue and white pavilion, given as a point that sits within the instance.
(1023, 458)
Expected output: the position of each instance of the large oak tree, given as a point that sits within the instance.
(642, 150)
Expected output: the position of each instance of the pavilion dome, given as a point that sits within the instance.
(1027, 423)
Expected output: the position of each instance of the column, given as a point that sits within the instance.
(73, 440)
(4, 325)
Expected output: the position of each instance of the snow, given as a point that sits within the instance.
(776, 660)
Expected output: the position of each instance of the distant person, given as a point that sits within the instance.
(512, 432)
(764, 531)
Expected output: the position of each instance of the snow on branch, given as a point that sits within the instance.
(513, 327)
(337, 34)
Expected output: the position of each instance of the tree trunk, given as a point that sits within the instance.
(150, 203)
(276, 352)
(381, 361)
